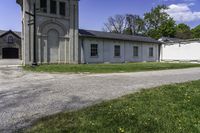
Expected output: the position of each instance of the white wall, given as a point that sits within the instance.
(190, 51)
(106, 51)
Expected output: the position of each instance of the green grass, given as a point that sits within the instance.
(109, 68)
(166, 109)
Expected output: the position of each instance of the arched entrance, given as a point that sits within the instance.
(10, 53)
(53, 45)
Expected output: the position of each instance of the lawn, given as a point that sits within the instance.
(166, 109)
(109, 68)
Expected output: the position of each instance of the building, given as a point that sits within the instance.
(10, 45)
(59, 40)
(174, 49)
(104, 47)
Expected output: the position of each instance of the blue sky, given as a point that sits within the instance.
(94, 13)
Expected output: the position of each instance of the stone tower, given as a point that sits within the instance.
(56, 31)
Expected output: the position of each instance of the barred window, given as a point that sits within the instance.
(43, 5)
(117, 51)
(62, 8)
(53, 7)
(10, 39)
(135, 51)
(94, 50)
(151, 52)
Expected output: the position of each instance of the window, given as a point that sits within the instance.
(135, 51)
(43, 5)
(117, 51)
(10, 39)
(151, 52)
(94, 50)
(53, 7)
(62, 8)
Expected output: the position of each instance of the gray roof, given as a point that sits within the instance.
(5, 31)
(171, 40)
(108, 35)
(168, 40)
(2, 32)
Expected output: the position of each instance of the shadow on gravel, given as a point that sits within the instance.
(21, 97)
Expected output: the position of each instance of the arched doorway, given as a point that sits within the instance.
(53, 45)
(10, 53)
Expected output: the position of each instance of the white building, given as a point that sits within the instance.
(59, 40)
(101, 47)
(180, 50)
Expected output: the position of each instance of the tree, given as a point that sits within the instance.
(158, 23)
(196, 32)
(135, 25)
(167, 29)
(125, 24)
(156, 17)
(183, 31)
(116, 24)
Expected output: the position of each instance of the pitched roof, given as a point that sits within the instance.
(2, 32)
(16, 33)
(107, 35)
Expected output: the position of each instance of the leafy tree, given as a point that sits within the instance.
(158, 23)
(156, 17)
(167, 29)
(135, 25)
(154, 33)
(183, 31)
(196, 32)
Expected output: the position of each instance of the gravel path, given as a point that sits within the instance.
(26, 96)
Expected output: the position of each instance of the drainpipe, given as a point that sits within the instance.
(34, 36)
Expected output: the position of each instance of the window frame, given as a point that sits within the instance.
(10, 40)
(53, 7)
(151, 52)
(62, 12)
(94, 50)
(134, 53)
(43, 6)
(117, 51)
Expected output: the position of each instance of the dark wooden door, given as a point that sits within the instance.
(10, 53)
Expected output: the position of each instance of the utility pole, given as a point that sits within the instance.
(34, 33)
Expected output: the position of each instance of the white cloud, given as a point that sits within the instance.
(183, 12)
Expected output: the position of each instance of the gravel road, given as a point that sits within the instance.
(27, 96)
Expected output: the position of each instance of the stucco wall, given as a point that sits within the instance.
(189, 51)
(106, 51)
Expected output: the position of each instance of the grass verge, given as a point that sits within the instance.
(166, 109)
(109, 68)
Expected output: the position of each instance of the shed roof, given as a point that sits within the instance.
(108, 35)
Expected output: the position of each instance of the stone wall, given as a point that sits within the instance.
(66, 33)
(4, 44)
